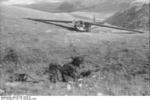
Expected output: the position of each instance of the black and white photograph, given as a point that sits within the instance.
(74, 48)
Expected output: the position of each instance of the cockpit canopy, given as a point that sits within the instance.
(82, 26)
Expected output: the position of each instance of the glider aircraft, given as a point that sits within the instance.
(81, 25)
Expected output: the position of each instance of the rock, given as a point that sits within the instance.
(99, 94)
(80, 85)
(80, 79)
(94, 76)
(2, 91)
(68, 87)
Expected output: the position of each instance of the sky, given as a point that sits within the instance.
(145, 1)
(26, 2)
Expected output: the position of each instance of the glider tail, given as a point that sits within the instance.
(94, 19)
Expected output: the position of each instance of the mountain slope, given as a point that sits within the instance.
(84, 5)
(134, 17)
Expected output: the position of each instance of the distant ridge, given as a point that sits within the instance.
(82, 5)
(22, 12)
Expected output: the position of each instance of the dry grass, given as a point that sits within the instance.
(124, 69)
(29, 47)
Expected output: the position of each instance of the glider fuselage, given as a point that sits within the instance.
(82, 26)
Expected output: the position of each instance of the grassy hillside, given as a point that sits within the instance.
(29, 47)
(134, 17)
